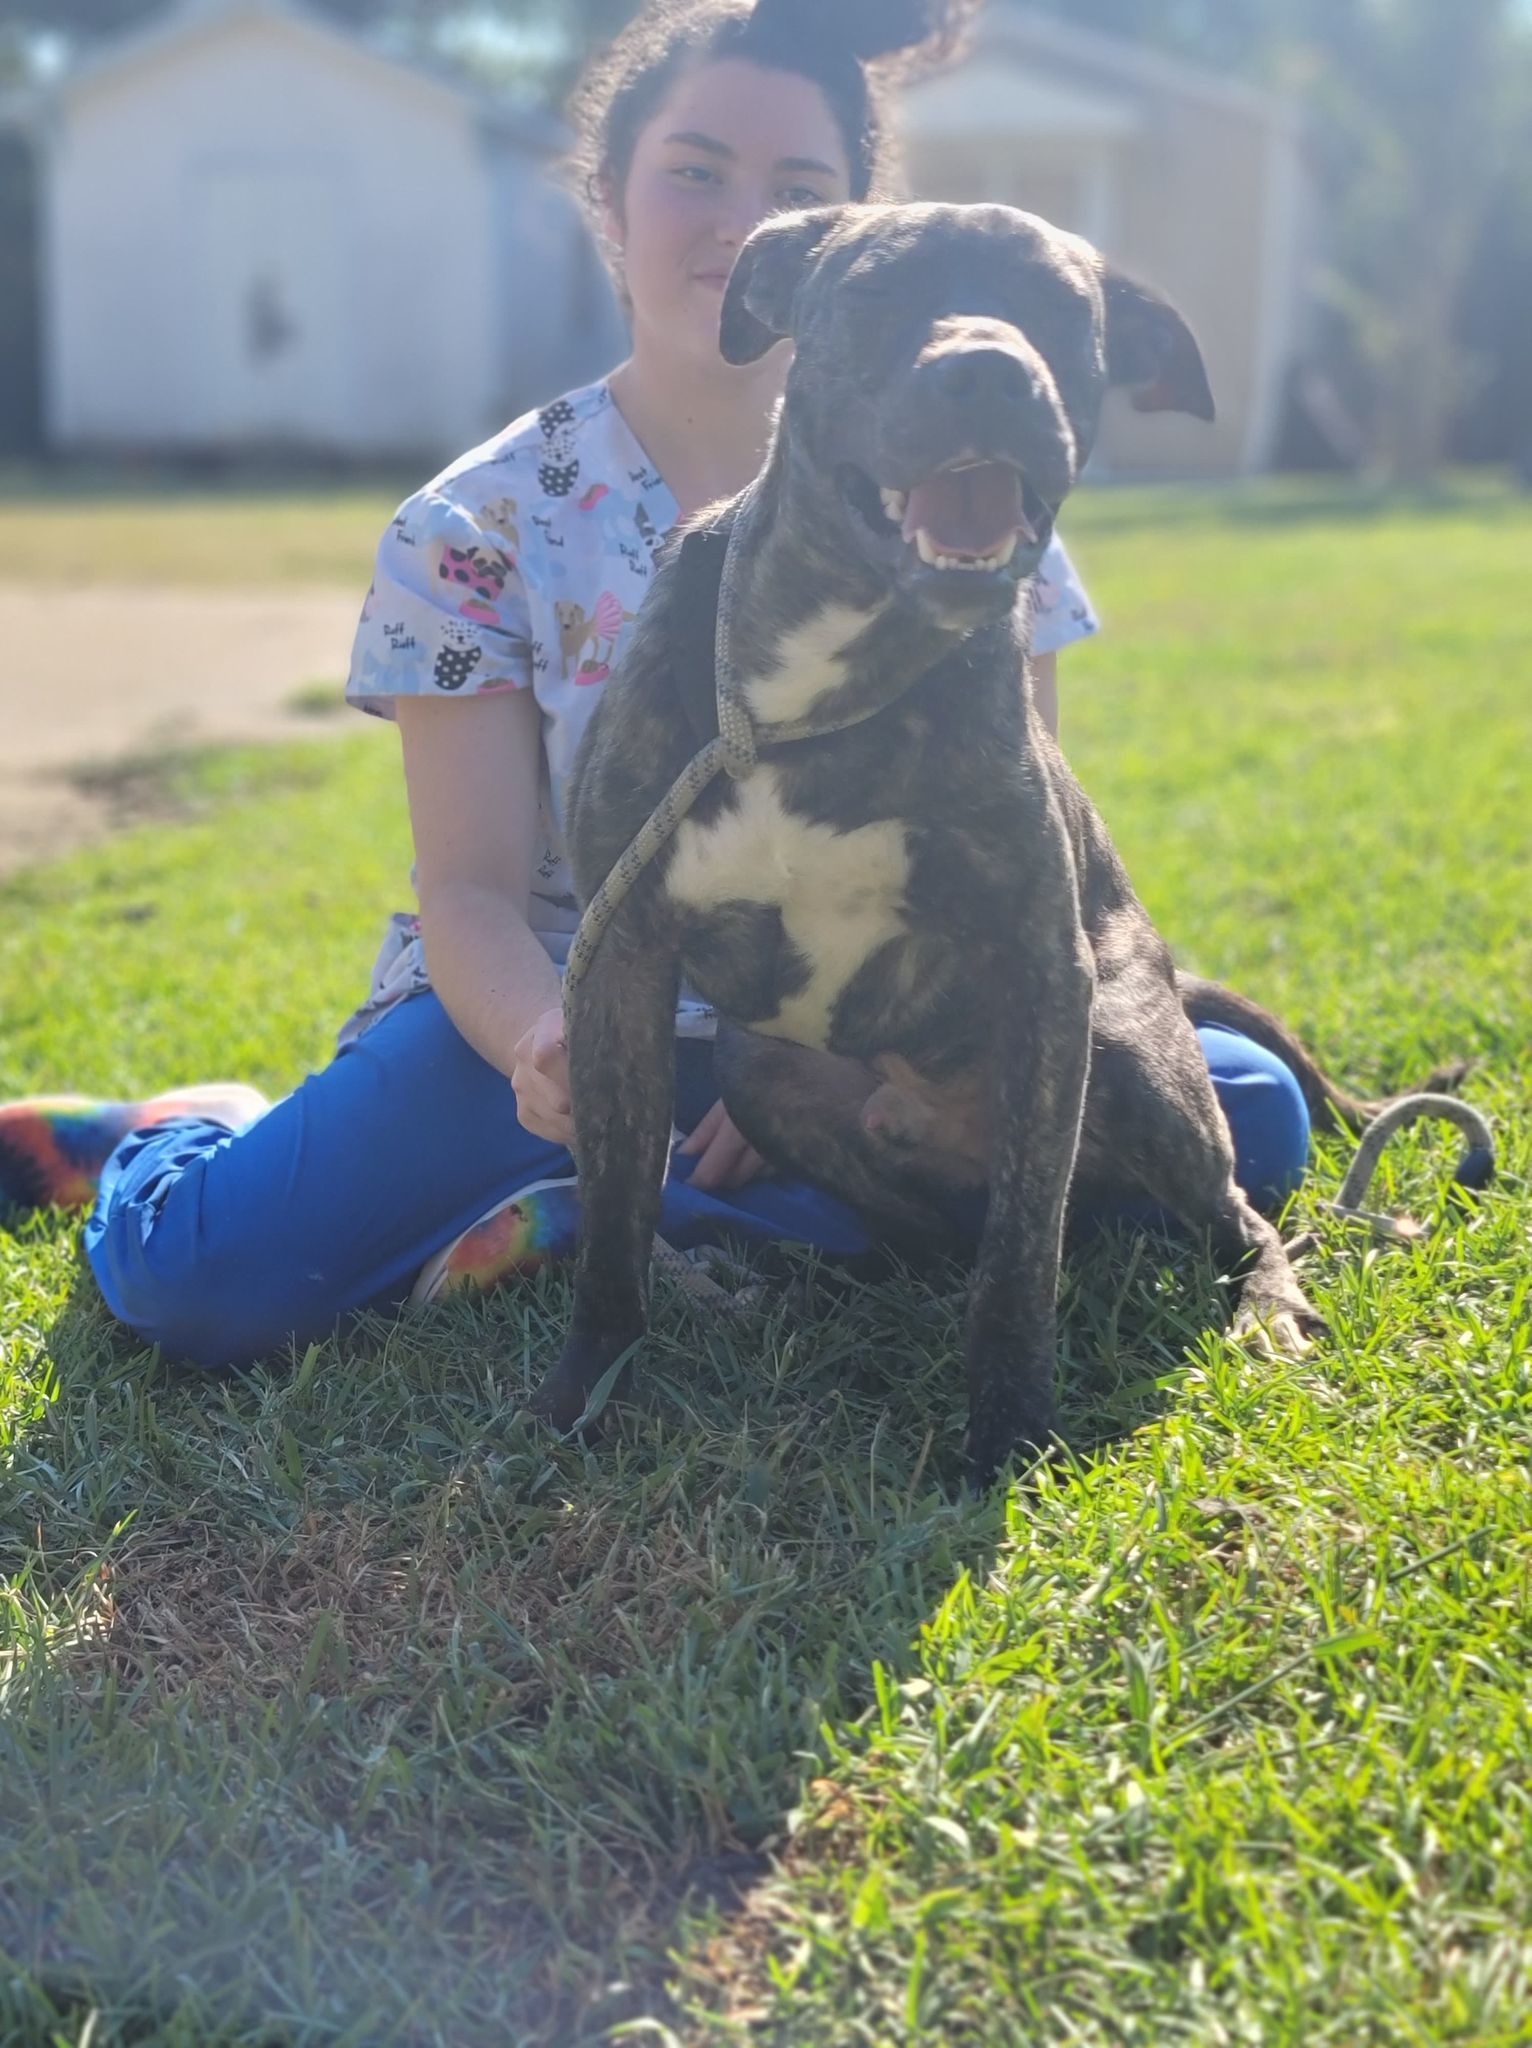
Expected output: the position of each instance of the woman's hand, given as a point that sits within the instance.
(727, 1160)
(540, 1077)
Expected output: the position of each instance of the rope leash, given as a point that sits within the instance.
(1474, 1169)
(735, 753)
(732, 753)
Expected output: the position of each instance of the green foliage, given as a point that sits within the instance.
(86, 17)
(342, 1705)
(1420, 116)
(93, 18)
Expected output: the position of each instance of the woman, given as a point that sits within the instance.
(433, 1150)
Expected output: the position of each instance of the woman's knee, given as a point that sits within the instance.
(192, 1325)
(222, 1247)
(1266, 1112)
(203, 1303)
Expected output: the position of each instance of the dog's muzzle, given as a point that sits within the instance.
(962, 536)
(960, 503)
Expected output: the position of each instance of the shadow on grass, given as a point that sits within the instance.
(177, 783)
(339, 1690)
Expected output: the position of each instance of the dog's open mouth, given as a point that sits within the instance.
(970, 517)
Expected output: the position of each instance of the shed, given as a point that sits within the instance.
(261, 232)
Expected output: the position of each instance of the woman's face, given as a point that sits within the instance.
(733, 143)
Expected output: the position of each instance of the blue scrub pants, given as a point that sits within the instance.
(222, 1246)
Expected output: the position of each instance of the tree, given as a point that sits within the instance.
(1435, 93)
(555, 33)
(1415, 107)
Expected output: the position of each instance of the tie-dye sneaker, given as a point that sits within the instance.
(53, 1147)
(537, 1226)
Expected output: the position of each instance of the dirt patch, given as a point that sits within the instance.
(96, 678)
(375, 1605)
(237, 1624)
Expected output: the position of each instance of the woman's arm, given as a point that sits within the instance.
(472, 767)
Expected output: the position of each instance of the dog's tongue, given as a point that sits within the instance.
(968, 511)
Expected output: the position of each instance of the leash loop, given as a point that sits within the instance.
(1474, 1169)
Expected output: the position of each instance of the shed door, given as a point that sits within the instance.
(273, 332)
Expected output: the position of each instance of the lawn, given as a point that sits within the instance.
(62, 533)
(343, 1706)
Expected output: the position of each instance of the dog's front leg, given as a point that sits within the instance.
(622, 1080)
(1043, 989)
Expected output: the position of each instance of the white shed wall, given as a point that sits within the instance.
(167, 176)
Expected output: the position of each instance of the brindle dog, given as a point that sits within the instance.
(930, 969)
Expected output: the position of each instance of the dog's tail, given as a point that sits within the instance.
(1330, 1106)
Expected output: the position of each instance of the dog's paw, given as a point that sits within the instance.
(1273, 1330)
(994, 1447)
(591, 1372)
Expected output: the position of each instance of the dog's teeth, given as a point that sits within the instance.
(932, 556)
(894, 503)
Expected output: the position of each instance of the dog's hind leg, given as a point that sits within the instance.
(1153, 1126)
(804, 1110)
(621, 1067)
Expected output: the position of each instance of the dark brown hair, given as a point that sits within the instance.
(853, 50)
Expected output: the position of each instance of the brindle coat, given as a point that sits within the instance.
(933, 969)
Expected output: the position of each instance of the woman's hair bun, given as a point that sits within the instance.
(921, 31)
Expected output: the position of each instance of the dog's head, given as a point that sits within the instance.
(948, 373)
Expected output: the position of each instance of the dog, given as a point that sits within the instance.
(930, 969)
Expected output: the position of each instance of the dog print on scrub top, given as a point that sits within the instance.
(482, 573)
(577, 632)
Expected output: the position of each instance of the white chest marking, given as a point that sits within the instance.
(807, 663)
(841, 894)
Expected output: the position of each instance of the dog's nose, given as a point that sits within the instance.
(979, 375)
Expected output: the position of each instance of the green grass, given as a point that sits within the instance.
(57, 533)
(341, 1705)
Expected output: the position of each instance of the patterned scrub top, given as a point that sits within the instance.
(522, 566)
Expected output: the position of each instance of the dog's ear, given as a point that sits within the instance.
(758, 300)
(1150, 348)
